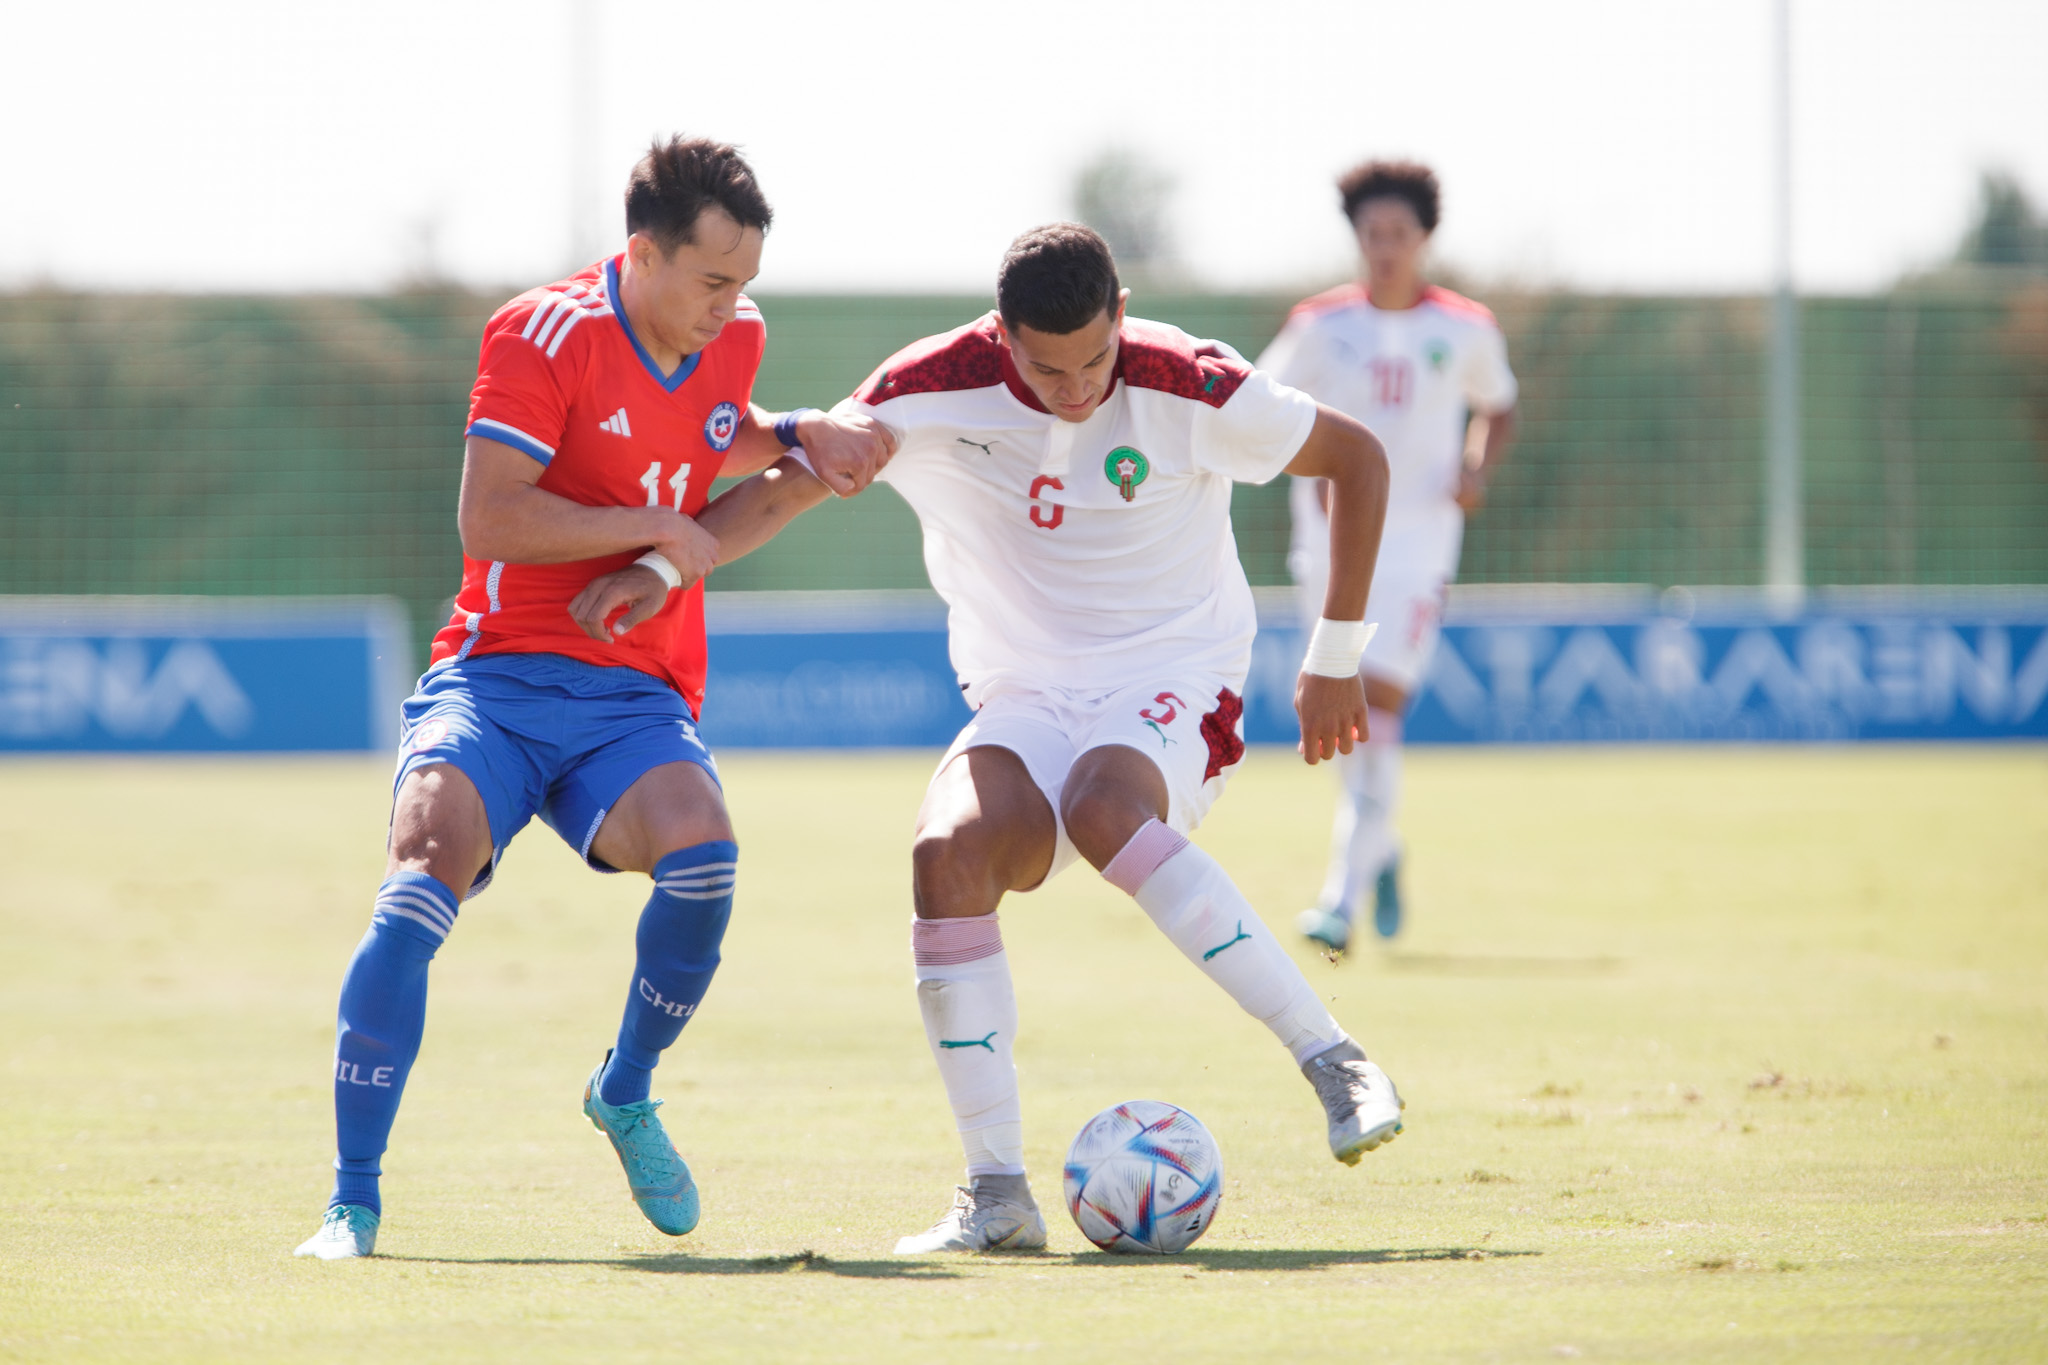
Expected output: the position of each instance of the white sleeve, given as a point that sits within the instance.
(1256, 432)
(905, 462)
(1489, 383)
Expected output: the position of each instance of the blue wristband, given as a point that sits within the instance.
(785, 426)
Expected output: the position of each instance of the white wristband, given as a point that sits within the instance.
(797, 453)
(1336, 647)
(657, 561)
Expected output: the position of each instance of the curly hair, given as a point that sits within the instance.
(1409, 181)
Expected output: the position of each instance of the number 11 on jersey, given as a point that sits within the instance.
(651, 481)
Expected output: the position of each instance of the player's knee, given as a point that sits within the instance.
(438, 827)
(1101, 816)
(952, 863)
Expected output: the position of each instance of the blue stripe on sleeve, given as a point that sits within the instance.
(511, 436)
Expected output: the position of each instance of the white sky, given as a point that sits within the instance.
(1617, 144)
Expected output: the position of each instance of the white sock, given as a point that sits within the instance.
(970, 1019)
(1194, 902)
(1362, 838)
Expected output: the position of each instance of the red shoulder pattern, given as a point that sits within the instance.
(969, 357)
(1343, 296)
(1458, 304)
(1153, 356)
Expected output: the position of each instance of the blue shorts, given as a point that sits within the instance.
(546, 735)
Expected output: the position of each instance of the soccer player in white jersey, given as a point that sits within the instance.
(1427, 370)
(1072, 470)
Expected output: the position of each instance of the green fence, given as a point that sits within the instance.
(312, 445)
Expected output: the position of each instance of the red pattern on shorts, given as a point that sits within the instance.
(1219, 728)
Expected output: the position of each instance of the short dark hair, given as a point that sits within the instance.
(1410, 181)
(680, 178)
(1057, 278)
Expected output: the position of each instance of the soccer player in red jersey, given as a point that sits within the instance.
(604, 406)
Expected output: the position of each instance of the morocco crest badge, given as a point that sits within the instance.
(1126, 468)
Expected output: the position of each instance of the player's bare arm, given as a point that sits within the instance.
(504, 515)
(846, 452)
(740, 521)
(1340, 450)
(1487, 443)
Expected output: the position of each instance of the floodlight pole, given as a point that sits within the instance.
(1784, 519)
(583, 131)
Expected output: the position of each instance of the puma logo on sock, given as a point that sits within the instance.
(978, 1042)
(1241, 937)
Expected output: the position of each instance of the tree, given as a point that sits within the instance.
(2008, 230)
(1124, 197)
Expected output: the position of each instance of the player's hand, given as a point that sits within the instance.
(846, 451)
(1332, 713)
(1471, 493)
(636, 588)
(688, 546)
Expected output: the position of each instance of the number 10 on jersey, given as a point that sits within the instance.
(678, 481)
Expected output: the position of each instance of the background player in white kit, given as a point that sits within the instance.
(1427, 370)
(1072, 471)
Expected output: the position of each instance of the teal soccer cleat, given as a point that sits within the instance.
(1386, 900)
(348, 1231)
(1327, 929)
(659, 1180)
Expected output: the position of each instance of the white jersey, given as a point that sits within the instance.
(1081, 557)
(1413, 375)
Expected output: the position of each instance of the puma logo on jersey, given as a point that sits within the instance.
(982, 446)
(617, 424)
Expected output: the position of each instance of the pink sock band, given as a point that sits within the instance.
(951, 942)
(1382, 727)
(1136, 861)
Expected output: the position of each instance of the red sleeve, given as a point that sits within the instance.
(521, 398)
(757, 348)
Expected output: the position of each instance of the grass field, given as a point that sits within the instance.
(1727, 1055)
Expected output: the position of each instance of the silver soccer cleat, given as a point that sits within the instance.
(1364, 1108)
(989, 1213)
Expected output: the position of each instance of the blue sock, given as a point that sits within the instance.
(383, 1010)
(680, 931)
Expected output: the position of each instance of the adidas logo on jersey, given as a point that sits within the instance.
(617, 424)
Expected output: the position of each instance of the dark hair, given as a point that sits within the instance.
(680, 178)
(1409, 181)
(1057, 278)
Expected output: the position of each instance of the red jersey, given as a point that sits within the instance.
(562, 377)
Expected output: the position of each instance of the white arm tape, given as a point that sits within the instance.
(1336, 647)
(797, 453)
(657, 561)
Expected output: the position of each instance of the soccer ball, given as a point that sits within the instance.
(1144, 1176)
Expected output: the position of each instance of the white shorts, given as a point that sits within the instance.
(1410, 612)
(1407, 604)
(1192, 728)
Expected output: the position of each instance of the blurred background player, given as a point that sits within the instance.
(1072, 470)
(604, 406)
(1427, 370)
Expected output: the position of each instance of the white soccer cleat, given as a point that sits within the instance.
(348, 1231)
(989, 1213)
(1362, 1104)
